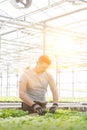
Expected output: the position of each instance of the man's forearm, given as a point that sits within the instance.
(55, 97)
(26, 99)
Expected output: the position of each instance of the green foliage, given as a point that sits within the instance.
(49, 99)
(60, 120)
(4, 113)
(9, 99)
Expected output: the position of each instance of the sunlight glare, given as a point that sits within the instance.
(65, 45)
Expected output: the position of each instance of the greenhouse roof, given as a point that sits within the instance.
(55, 27)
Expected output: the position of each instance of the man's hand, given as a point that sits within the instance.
(53, 108)
(38, 109)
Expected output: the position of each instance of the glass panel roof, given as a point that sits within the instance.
(54, 27)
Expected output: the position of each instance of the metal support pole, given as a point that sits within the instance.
(17, 94)
(44, 38)
(1, 85)
(73, 82)
(0, 69)
(57, 76)
(56, 71)
(7, 87)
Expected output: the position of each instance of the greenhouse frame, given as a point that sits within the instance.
(40, 29)
(58, 28)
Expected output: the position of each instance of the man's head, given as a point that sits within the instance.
(44, 58)
(43, 63)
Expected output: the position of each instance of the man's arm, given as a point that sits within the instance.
(23, 95)
(54, 90)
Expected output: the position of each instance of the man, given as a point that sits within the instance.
(33, 87)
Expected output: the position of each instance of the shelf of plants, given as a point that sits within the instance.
(14, 119)
(69, 105)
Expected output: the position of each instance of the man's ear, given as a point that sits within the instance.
(37, 62)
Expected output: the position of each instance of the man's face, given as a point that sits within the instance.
(42, 66)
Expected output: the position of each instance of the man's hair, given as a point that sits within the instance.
(44, 58)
